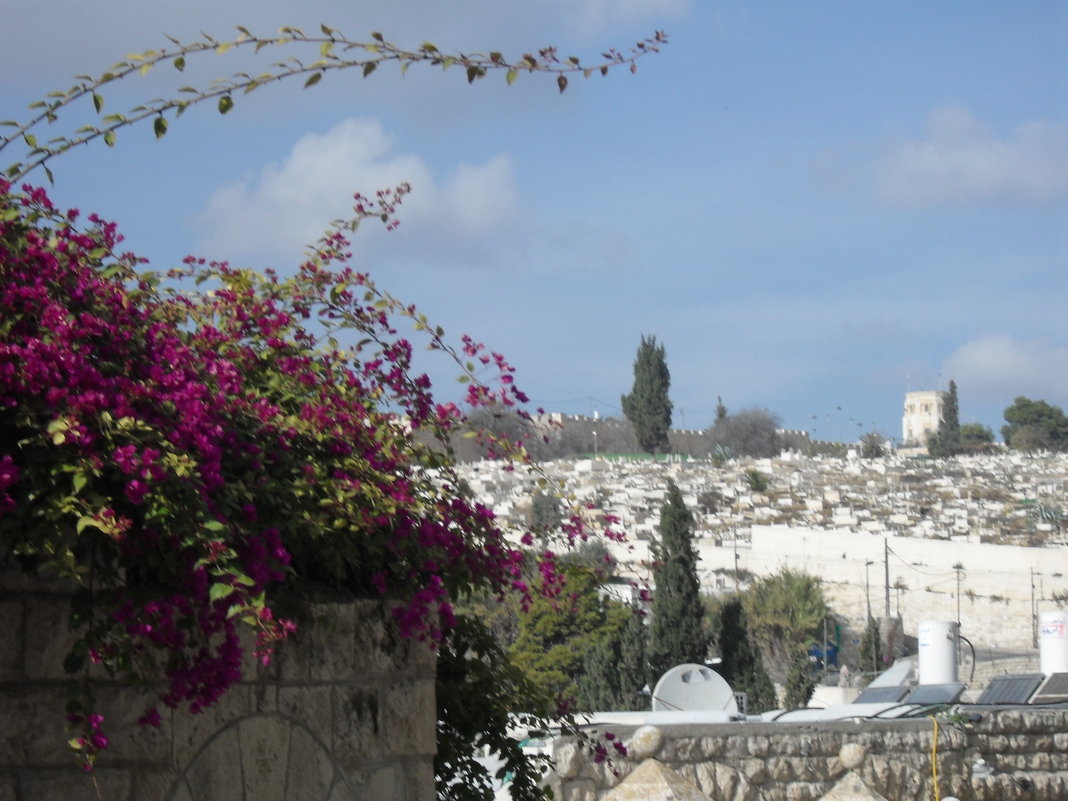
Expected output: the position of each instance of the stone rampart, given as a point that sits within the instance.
(344, 711)
(1003, 754)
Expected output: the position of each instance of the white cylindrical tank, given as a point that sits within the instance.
(1053, 641)
(938, 652)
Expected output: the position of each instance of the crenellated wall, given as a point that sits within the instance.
(344, 711)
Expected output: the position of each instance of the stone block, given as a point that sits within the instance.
(419, 781)
(11, 635)
(215, 773)
(309, 765)
(74, 784)
(33, 727)
(357, 726)
(408, 715)
(311, 706)
(192, 732)
(48, 638)
(264, 749)
(152, 785)
(121, 708)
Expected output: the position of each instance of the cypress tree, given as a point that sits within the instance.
(615, 670)
(947, 441)
(677, 634)
(741, 664)
(647, 406)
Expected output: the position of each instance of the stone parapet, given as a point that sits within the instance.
(345, 710)
(980, 755)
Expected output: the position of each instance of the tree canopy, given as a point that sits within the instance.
(785, 612)
(750, 432)
(1035, 425)
(648, 406)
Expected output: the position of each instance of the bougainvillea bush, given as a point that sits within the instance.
(188, 446)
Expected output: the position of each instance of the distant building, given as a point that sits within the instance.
(923, 413)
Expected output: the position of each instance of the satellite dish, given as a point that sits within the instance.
(691, 687)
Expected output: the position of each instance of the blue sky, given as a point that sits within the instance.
(813, 206)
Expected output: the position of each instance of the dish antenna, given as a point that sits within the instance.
(693, 687)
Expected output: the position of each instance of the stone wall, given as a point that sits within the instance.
(344, 711)
(1006, 754)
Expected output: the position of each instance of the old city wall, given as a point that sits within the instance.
(995, 589)
(1008, 754)
(344, 711)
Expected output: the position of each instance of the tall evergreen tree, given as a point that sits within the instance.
(741, 664)
(946, 442)
(615, 674)
(647, 406)
(677, 634)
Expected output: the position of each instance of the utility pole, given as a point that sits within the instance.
(960, 569)
(1034, 613)
(886, 574)
(867, 585)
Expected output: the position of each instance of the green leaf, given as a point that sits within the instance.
(79, 481)
(218, 591)
(146, 67)
(369, 67)
(73, 662)
(511, 75)
(179, 63)
(326, 29)
(561, 81)
(31, 140)
(225, 104)
(473, 72)
(98, 102)
(377, 36)
(313, 79)
(109, 138)
(224, 47)
(214, 525)
(325, 49)
(160, 126)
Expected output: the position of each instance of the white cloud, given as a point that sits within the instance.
(960, 161)
(1001, 367)
(276, 213)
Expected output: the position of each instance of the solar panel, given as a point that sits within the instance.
(1054, 690)
(881, 695)
(1012, 689)
(936, 694)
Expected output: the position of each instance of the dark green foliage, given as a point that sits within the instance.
(756, 481)
(647, 406)
(975, 437)
(871, 445)
(741, 664)
(677, 634)
(615, 674)
(800, 681)
(478, 691)
(545, 513)
(785, 613)
(751, 432)
(557, 635)
(869, 647)
(1035, 425)
(721, 410)
(946, 441)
